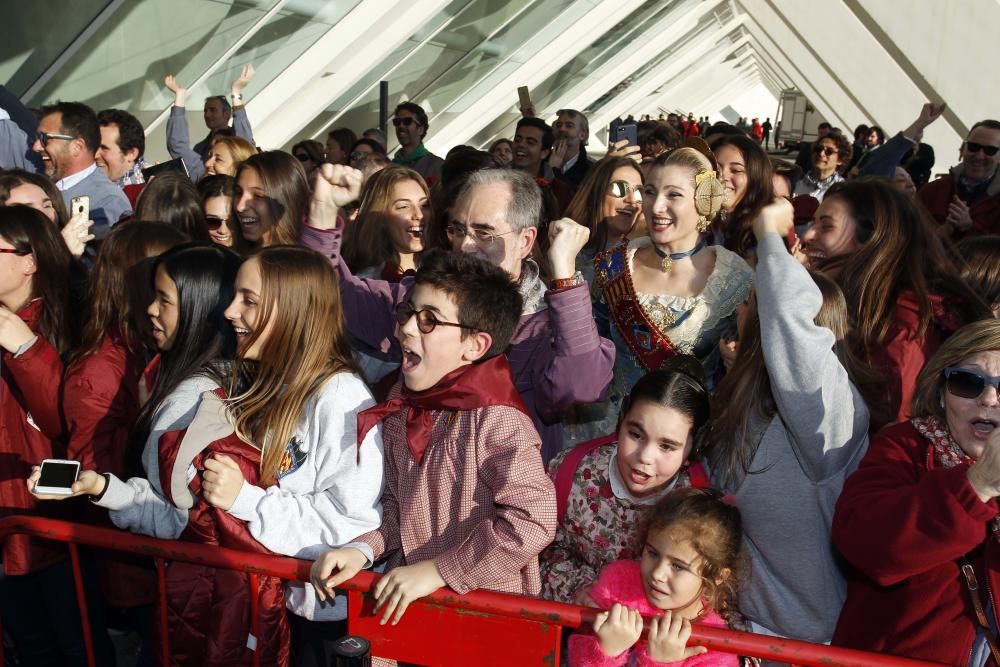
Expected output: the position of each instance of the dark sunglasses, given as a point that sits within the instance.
(44, 137)
(214, 222)
(964, 383)
(826, 150)
(406, 120)
(426, 320)
(621, 189)
(973, 147)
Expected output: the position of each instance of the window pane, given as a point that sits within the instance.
(32, 40)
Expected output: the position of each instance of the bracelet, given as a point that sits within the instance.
(566, 283)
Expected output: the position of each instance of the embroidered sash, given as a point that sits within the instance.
(641, 333)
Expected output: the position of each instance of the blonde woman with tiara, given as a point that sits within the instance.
(670, 293)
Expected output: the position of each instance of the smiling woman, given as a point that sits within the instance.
(386, 239)
(271, 199)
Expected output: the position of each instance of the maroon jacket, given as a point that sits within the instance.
(100, 401)
(30, 429)
(100, 404)
(208, 609)
(903, 522)
(984, 210)
(903, 354)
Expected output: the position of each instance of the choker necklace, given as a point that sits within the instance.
(670, 258)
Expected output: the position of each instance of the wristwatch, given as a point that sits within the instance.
(237, 97)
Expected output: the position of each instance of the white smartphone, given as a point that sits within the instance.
(80, 207)
(57, 476)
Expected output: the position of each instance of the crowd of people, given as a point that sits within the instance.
(687, 381)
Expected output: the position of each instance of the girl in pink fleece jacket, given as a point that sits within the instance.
(689, 573)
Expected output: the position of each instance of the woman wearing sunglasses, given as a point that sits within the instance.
(918, 519)
(216, 194)
(830, 154)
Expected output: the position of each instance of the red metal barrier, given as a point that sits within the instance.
(481, 628)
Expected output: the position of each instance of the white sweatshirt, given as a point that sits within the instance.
(324, 502)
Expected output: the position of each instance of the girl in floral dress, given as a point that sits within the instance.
(606, 487)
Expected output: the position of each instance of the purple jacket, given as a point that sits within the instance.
(556, 355)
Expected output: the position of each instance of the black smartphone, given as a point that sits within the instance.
(170, 165)
(625, 131)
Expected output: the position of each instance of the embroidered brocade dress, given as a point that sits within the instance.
(648, 329)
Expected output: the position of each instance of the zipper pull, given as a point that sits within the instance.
(970, 577)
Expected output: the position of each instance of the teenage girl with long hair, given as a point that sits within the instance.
(903, 288)
(36, 335)
(271, 199)
(387, 237)
(747, 174)
(789, 425)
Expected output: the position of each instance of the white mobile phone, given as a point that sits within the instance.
(57, 476)
(80, 207)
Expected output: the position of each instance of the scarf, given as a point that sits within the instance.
(466, 388)
(412, 157)
(944, 449)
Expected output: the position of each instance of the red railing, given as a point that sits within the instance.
(480, 628)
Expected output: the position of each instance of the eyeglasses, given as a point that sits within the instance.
(405, 120)
(973, 147)
(358, 155)
(302, 157)
(214, 222)
(426, 320)
(45, 137)
(969, 384)
(826, 150)
(483, 237)
(621, 189)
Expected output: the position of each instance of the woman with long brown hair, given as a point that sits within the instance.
(745, 171)
(789, 425)
(901, 281)
(271, 199)
(294, 397)
(609, 204)
(387, 237)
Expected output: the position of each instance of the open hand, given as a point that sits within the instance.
(334, 568)
(617, 629)
(668, 637)
(221, 481)
(179, 91)
(958, 214)
(243, 79)
(396, 590)
(984, 474)
(558, 155)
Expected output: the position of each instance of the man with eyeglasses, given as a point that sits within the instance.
(557, 356)
(410, 122)
(68, 139)
(967, 200)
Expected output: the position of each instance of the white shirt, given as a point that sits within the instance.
(73, 179)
